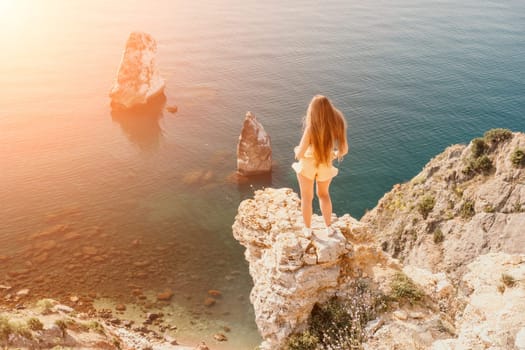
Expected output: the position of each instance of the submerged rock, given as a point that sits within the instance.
(138, 78)
(254, 151)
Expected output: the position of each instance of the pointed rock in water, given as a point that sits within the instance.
(254, 151)
(138, 78)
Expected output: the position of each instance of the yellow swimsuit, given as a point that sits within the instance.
(306, 167)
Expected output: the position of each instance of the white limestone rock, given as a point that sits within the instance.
(254, 151)
(520, 339)
(292, 273)
(288, 280)
(138, 78)
(436, 285)
(491, 319)
(495, 223)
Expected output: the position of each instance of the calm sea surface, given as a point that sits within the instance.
(96, 203)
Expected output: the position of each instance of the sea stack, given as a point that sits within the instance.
(254, 152)
(138, 78)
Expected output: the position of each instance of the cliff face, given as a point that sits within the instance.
(292, 274)
(464, 204)
(467, 201)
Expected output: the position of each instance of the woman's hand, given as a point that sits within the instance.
(303, 145)
(296, 151)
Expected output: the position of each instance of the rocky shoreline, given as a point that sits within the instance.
(47, 324)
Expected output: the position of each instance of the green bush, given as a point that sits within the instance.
(35, 324)
(302, 341)
(488, 208)
(22, 330)
(425, 205)
(404, 289)
(495, 136)
(45, 305)
(478, 147)
(6, 328)
(467, 209)
(518, 157)
(340, 323)
(482, 164)
(438, 236)
(96, 327)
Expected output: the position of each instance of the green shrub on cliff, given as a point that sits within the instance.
(404, 289)
(425, 205)
(302, 341)
(35, 324)
(482, 164)
(438, 236)
(339, 323)
(478, 147)
(479, 162)
(467, 209)
(518, 157)
(495, 136)
(5, 329)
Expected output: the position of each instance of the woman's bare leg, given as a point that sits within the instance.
(307, 195)
(324, 200)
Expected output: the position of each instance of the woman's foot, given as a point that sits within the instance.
(329, 230)
(307, 232)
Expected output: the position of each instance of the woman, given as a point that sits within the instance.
(323, 140)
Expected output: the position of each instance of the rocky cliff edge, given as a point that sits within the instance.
(465, 294)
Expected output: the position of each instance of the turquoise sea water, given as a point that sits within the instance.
(411, 77)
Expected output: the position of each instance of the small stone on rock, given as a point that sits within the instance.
(401, 315)
(172, 109)
(166, 295)
(22, 292)
(202, 346)
(214, 293)
(209, 302)
(220, 337)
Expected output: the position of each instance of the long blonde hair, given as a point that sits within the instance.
(327, 127)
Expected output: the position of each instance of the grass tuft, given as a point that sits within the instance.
(425, 205)
(467, 209)
(438, 236)
(404, 289)
(518, 157)
(35, 324)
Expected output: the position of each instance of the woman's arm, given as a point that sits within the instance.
(303, 145)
